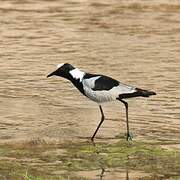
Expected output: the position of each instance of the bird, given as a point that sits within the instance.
(100, 89)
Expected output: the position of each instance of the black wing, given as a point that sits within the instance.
(103, 82)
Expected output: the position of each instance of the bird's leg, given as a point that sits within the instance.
(129, 136)
(102, 119)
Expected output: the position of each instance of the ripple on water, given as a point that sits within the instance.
(135, 42)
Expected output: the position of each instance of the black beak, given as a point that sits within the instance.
(51, 74)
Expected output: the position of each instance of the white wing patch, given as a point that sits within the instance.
(90, 82)
(125, 89)
(108, 95)
(77, 74)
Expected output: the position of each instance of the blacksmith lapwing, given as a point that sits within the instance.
(100, 88)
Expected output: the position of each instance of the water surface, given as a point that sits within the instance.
(136, 42)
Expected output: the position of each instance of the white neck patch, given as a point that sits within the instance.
(60, 65)
(77, 74)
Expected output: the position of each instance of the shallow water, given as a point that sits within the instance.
(136, 42)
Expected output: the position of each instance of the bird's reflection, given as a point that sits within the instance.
(103, 169)
(102, 173)
(127, 174)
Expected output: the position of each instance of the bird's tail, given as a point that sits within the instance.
(144, 93)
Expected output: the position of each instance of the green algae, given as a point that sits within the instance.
(64, 160)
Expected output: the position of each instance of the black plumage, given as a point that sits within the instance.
(100, 88)
(105, 83)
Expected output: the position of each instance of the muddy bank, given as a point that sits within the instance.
(42, 160)
(135, 42)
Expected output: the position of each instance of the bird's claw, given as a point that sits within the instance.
(129, 136)
(92, 141)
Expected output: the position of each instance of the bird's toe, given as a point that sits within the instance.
(129, 136)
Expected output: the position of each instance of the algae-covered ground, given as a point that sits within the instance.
(83, 160)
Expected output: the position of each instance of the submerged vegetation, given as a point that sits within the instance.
(69, 160)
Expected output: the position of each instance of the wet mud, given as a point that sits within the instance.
(45, 124)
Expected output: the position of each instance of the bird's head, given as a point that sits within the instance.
(62, 70)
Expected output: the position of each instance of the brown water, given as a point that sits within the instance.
(136, 42)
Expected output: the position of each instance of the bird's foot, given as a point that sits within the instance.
(129, 136)
(92, 141)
